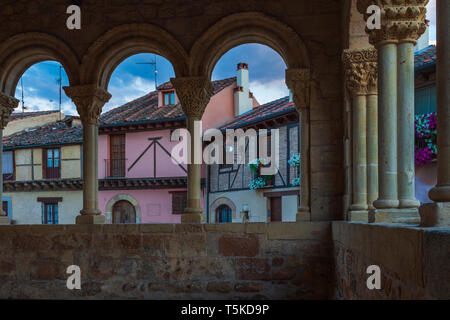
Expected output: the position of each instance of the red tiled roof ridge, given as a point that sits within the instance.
(29, 114)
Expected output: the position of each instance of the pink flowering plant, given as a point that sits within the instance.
(425, 137)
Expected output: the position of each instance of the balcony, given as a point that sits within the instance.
(115, 168)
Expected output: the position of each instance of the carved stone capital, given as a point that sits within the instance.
(401, 20)
(89, 100)
(361, 71)
(7, 106)
(194, 94)
(299, 82)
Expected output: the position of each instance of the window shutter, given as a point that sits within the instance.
(179, 202)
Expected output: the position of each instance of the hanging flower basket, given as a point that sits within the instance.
(425, 149)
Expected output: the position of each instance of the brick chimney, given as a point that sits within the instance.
(243, 101)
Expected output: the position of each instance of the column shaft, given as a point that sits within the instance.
(194, 174)
(387, 126)
(304, 210)
(359, 154)
(90, 167)
(372, 149)
(441, 193)
(406, 172)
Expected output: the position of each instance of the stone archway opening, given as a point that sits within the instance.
(123, 212)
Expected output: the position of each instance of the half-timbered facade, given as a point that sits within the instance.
(229, 194)
(42, 171)
(139, 181)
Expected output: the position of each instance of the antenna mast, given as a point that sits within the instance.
(23, 103)
(155, 70)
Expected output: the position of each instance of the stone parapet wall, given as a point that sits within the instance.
(168, 261)
(414, 262)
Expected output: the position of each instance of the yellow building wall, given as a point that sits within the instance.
(26, 170)
(31, 122)
(23, 164)
(71, 162)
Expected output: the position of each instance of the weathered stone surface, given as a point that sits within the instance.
(239, 246)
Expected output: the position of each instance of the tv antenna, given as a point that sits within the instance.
(153, 63)
(59, 82)
(23, 103)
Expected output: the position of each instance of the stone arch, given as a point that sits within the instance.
(20, 52)
(217, 203)
(121, 42)
(119, 197)
(242, 28)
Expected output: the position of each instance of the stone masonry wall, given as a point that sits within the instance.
(414, 262)
(166, 261)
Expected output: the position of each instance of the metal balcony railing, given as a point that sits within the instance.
(115, 168)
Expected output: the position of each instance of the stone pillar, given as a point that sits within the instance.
(7, 106)
(298, 81)
(194, 94)
(438, 213)
(89, 100)
(402, 23)
(360, 75)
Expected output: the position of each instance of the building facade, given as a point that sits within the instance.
(140, 182)
(229, 193)
(42, 171)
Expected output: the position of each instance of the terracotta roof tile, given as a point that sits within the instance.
(265, 111)
(146, 108)
(22, 115)
(425, 57)
(56, 133)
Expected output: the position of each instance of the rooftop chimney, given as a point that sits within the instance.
(242, 98)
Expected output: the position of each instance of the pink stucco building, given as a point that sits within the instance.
(138, 180)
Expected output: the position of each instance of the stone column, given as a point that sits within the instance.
(194, 94)
(298, 81)
(438, 213)
(89, 100)
(402, 23)
(360, 74)
(7, 106)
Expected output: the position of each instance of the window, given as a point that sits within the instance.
(168, 98)
(223, 214)
(8, 165)
(179, 202)
(117, 156)
(5, 207)
(52, 163)
(49, 213)
(50, 210)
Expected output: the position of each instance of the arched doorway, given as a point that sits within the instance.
(123, 212)
(223, 214)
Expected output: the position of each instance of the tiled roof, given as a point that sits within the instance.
(22, 115)
(56, 133)
(146, 108)
(262, 112)
(425, 57)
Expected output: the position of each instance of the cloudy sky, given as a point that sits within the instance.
(133, 79)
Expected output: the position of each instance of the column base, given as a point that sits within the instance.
(436, 214)
(90, 219)
(303, 214)
(358, 216)
(440, 193)
(409, 203)
(193, 218)
(5, 220)
(405, 216)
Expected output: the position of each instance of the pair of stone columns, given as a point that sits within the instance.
(438, 213)
(402, 23)
(299, 83)
(7, 106)
(361, 76)
(194, 94)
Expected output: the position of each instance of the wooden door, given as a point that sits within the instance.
(117, 155)
(123, 212)
(275, 209)
(52, 163)
(223, 214)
